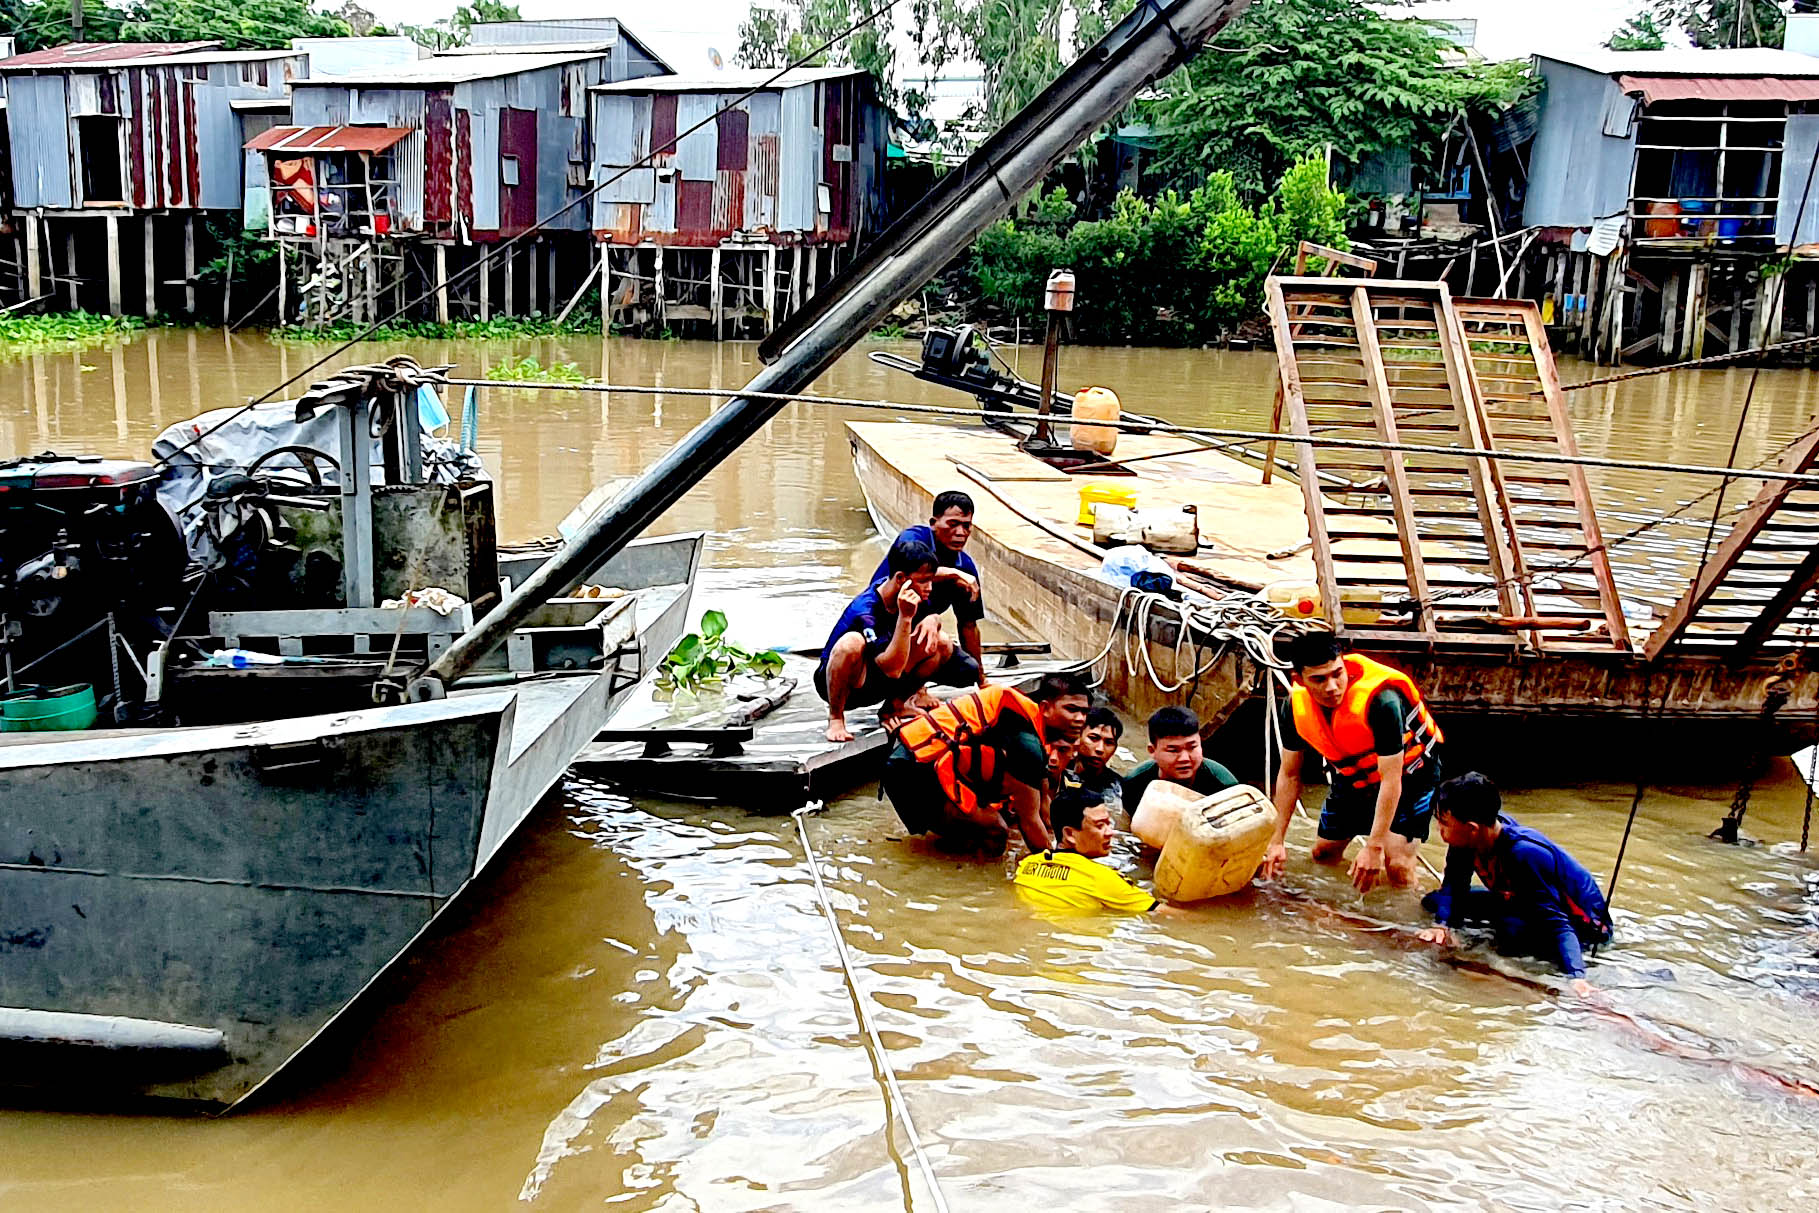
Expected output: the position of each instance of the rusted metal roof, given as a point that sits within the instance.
(453, 69)
(81, 54)
(1721, 88)
(731, 81)
(300, 140)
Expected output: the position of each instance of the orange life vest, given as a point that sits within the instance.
(1346, 741)
(967, 767)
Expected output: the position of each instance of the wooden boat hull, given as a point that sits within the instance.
(251, 880)
(1502, 711)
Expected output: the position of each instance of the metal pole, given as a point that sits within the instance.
(1147, 44)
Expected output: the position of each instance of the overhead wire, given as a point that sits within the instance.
(462, 275)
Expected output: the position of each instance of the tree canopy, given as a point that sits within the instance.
(243, 25)
(773, 37)
(1290, 77)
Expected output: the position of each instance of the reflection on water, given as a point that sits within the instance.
(642, 1008)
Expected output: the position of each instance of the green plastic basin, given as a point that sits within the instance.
(47, 709)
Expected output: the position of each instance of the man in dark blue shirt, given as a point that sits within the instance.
(876, 654)
(1536, 897)
(956, 577)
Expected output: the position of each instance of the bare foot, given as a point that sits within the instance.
(923, 700)
(837, 730)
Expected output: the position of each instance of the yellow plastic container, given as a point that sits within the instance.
(1095, 492)
(1215, 848)
(1155, 817)
(1296, 599)
(1095, 404)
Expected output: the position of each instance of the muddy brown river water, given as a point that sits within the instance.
(640, 1009)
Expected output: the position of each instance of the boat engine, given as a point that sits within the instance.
(81, 537)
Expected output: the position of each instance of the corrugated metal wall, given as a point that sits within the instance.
(1577, 173)
(1798, 151)
(37, 115)
(761, 167)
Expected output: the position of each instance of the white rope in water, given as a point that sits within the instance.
(895, 1093)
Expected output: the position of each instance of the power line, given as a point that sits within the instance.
(461, 276)
(1804, 479)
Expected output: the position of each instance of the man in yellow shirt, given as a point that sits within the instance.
(1067, 877)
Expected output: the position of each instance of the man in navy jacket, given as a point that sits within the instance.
(1538, 899)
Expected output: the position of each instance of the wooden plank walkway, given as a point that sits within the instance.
(788, 761)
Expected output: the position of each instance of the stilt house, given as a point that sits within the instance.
(756, 190)
(1670, 185)
(411, 174)
(117, 150)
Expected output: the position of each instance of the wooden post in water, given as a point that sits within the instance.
(486, 283)
(34, 256)
(1670, 302)
(770, 288)
(714, 288)
(1692, 342)
(113, 265)
(606, 288)
(510, 305)
(151, 271)
(442, 284)
(189, 265)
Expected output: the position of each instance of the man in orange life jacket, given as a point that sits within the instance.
(1371, 728)
(968, 770)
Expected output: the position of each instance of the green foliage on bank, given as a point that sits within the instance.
(1177, 271)
(49, 334)
(528, 369)
(500, 328)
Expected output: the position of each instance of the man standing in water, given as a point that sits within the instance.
(875, 653)
(1539, 900)
(971, 768)
(1371, 727)
(956, 586)
(1067, 876)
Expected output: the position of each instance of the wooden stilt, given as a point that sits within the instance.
(1560, 288)
(1736, 327)
(814, 265)
(1670, 302)
(1698, 281)
(606, 289)
(442, 284)
(770, 289)
(189, 266)
(1588, 320)
(662, 303)
(283, 282)
(715, 290)
(509, 306)
(34, 256)
(69, 265)
(549, 265)
(531, 258)
(1812, 307)
(113, 266)
(151, 271)
(1615, 280)
(486, 282)
(795, 280)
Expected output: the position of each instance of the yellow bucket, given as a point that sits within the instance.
(1096, 492)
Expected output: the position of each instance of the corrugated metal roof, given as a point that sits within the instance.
(1721, 88)
(732, 82)
(451, 69)
(1748, 61)
(80, 54)
(302, 139)
(595, 47)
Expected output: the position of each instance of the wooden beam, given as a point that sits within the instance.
(587, 280)
(1580, 488)
(1749, 525)
(189, 266)
(486, 282)
(1395, 469)
(1452, 346)
(1290, 376)
(442, 284)
(1799, 583)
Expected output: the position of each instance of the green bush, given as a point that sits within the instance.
(1175, 271)
(61, 331)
